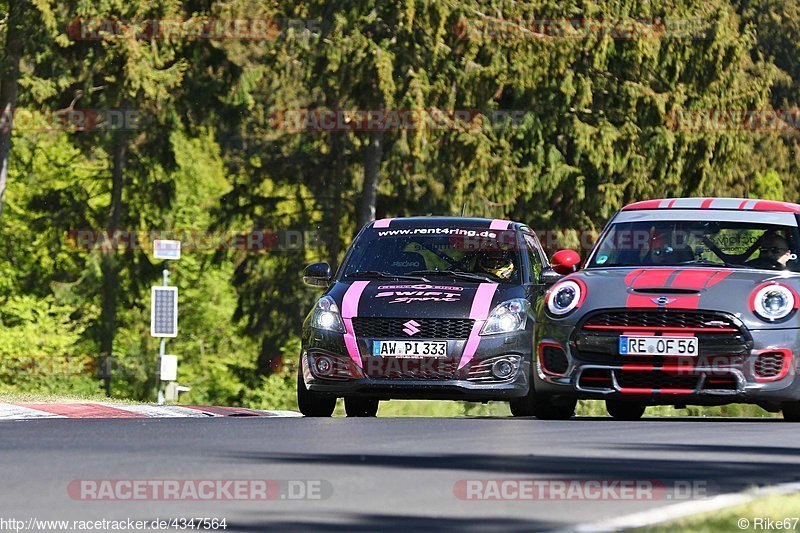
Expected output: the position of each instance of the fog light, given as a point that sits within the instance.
(323, 365)
(502, 369)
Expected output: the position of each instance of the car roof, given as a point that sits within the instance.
(731, 204)
(427, 222)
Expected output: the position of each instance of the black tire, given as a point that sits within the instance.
(791, 411)
(555, 408)
(625, 410)
(543, 407)
(313, 403)
(361, 407)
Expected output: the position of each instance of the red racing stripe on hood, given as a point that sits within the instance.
(645, 278)
(698, 278)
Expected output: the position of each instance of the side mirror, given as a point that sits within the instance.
(548, 276)
(565, 262)
(317, 274)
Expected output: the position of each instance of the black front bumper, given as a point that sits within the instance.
(420, 380)
(726, 370)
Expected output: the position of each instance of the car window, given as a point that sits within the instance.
(686, 242)
(534, 259)
(462, 250)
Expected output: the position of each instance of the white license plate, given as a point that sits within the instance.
(658, 346)
(409, 349)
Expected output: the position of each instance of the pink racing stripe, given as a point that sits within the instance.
(351, 299)
(481, 305)
(382, 223)
(82, 410)
(499, 224)
(350, 310)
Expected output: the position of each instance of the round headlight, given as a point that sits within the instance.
(773, 302)
(326, 316)
(564, 297)
(326, 320)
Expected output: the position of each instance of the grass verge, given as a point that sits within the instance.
(782, 511)
(24, 397)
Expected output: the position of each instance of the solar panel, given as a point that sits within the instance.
(164, 312)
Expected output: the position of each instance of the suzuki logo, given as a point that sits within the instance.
(411, 327)
(662, 301)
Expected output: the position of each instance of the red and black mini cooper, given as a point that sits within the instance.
(681, 301)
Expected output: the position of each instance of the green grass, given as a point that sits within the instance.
(23, 397)
(427, 408)
(442, 408)
(438, 408)
(772, 507)
(737, 410)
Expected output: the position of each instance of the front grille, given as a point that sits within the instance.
(719, 335)
(721, 382)
(399, 368)
(596, 378)
(429, 328)
(654, 380)
(679, 320)
(768, 365)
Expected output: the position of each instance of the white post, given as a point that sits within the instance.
(163, 344)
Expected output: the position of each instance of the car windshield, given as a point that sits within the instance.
(693, 242)
(464, 253)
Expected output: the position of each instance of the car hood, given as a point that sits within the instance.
(442, 298)
(713, 289)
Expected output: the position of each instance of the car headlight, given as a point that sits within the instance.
(773, 301)
(511, 315)
(326, 316)
(565, 296)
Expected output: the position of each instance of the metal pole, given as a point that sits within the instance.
(162, 345)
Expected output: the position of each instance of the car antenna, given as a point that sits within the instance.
(464, 209)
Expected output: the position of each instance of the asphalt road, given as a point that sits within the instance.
(384, 473)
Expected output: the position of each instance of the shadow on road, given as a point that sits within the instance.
(721, 476)
(387, 522)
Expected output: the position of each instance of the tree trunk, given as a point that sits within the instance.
(335, 244)
(110, 263)
(9, 79)
(373, 155)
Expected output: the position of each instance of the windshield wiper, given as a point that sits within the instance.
(709, 262)
(598, 265)
(454, 273)
(378, 274)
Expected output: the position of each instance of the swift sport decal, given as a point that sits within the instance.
(667, 279)
(419, 293)
(481, 306)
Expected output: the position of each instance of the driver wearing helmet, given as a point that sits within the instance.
(498, 264)
(665, 248)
